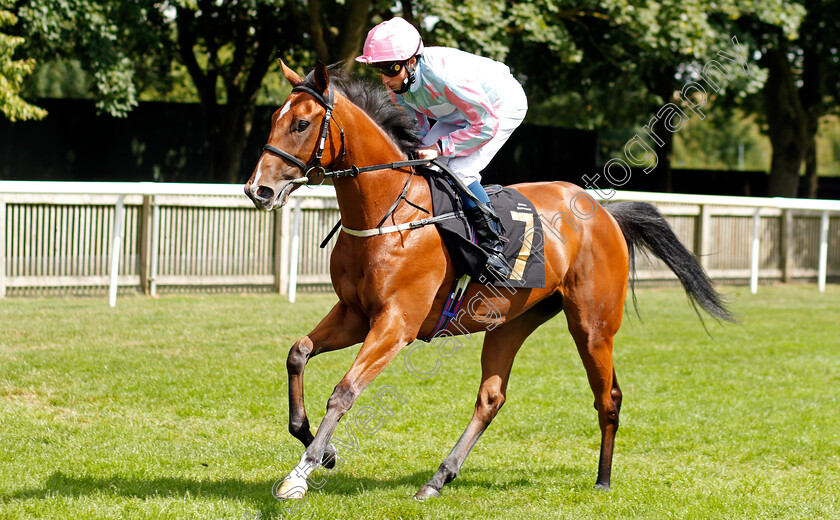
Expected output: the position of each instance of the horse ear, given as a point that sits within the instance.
(322, 77)
(291, 75)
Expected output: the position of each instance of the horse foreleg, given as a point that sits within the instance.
(500, 348)
(386, 338)
(339, 329)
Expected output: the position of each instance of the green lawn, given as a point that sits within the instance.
(176, 408)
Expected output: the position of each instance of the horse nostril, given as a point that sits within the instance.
(265, 193)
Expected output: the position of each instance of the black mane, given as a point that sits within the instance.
(374, 101)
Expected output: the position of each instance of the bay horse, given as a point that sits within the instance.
(392, 286)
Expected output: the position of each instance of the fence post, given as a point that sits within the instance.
(2, 248)
(786, 244)
(295, 252)
(756, 250)
(278, 252)
(823, 269)
(116, 250)
(282, 244)
(145, 249)
(701, 236)
(155, 247)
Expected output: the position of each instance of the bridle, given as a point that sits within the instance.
(314, 163)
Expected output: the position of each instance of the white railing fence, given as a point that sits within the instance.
(164, 235)
(150, 235)
(740, 238)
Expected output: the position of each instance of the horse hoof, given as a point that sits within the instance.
(426, 492)
(603, 487)
(290, 490)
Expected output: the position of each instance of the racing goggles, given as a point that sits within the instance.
(391, 69)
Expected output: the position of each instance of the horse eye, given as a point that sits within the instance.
(301, 126)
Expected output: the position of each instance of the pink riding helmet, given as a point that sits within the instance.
(391, 40)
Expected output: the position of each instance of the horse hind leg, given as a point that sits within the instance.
(500, 348)
(608, 437)
(615, 393)
(595, 344)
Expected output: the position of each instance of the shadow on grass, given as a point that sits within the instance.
(254, 494)
(61, 484)
(258, 494)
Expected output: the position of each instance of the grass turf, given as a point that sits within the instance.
(177, 408)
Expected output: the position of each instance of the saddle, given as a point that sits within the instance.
(523, 249)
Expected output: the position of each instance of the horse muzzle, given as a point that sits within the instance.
(268, 198)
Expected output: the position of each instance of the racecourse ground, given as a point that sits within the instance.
(176, 408)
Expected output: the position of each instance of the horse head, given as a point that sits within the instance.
(299, 143)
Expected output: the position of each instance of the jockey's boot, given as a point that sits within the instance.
(490, 240)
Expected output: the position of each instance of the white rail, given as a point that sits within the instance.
(27, 235)
(55, 234)
(825, 207)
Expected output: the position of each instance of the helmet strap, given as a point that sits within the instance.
(409, 80)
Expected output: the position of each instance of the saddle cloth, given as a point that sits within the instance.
(523, 229)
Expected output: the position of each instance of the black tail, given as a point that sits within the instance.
(643, 226)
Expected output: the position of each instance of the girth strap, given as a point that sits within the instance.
(414, 224)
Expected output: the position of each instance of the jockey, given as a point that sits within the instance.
(476, 104)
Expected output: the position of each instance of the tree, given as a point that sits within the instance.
(13, 72)
(605, 63)
(100, 35)
(803, 77)
(594, 63)
(337, 29)
(227, 48)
